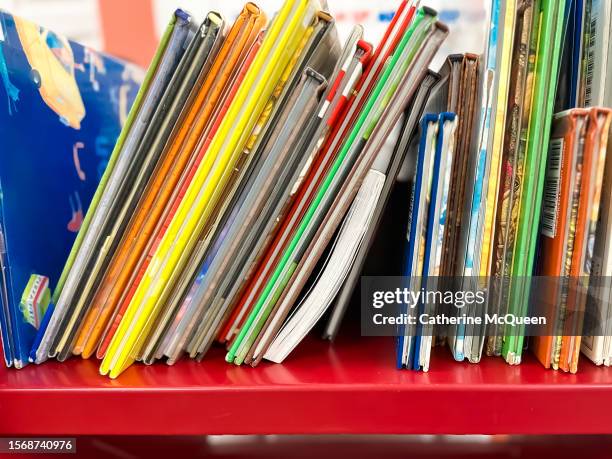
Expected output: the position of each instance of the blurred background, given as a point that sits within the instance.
(131, 28)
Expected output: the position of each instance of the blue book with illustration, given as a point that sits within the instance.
(421, 187)
(62, 106)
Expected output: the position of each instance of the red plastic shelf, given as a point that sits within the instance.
(347, 387)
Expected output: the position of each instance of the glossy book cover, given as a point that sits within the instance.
(62, 106)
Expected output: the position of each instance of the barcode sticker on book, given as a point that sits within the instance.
(552, 188)
(590, 61)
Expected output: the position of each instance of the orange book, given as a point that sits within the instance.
(161, 196)
(205, 142)
(586, 226)
(137, 275)
(562, 178)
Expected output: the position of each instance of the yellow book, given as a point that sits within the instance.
(219, 192)
(279, 45)
(498, 136)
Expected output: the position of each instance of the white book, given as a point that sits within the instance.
(339, 262)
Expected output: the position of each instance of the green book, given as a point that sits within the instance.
(379, 98)
(549, 24)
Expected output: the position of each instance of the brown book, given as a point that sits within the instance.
(462, 100)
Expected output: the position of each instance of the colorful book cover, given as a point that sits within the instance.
(558, 221)
(494, 149)
(434, 231)
(517, 122)
(468, 256)
(64, 105)
(551, 21)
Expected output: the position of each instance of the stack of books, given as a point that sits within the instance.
(247, 146)
(251, 177)
(511, 190)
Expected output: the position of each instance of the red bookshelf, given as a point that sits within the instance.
(347, 387)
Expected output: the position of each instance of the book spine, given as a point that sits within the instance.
(5, 316)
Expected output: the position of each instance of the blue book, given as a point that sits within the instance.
(61, 110)
(421, 184)
(434, 233)
(478, 192)
(571, 57)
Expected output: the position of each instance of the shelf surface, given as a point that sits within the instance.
(350, 386)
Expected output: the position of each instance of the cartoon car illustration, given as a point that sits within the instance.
(52, 71)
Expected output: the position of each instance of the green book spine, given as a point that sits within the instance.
(551, 14)
(357, 128)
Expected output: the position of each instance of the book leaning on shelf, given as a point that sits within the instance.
(64, 108)
(518, 215)
(252, 175)
(244, 137)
